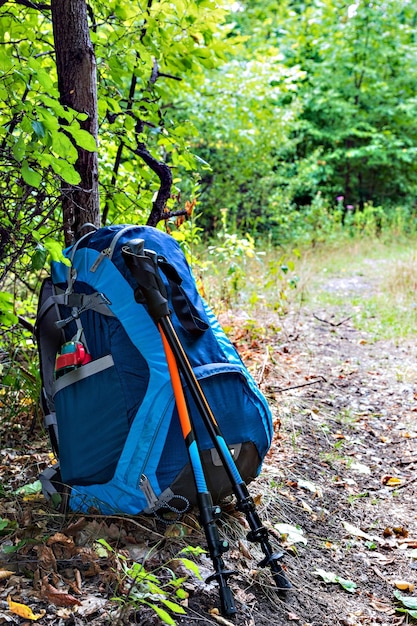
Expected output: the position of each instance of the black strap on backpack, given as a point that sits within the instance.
(188, 316)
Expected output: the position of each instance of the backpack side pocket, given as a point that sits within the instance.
(92, 422)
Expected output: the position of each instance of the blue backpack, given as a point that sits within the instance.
(107, 394)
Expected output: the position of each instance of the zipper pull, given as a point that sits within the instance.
(103, 254)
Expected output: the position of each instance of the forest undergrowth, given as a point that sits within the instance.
(337, 362)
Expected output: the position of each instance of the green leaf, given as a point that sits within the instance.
(19, 149)
(181, 594)
(153, 587)
(331, 577)
(29, 489)
(39, 257)
(162, 614)
(193, 567)
(54, 249)
(348, 585)
(66, 171)
(105, 545)
(407, 612)
(63, 147)
(292, 534)
(101, 552)
(30, 176)
(173, 606)
(12, 549)
(7, 526)
(408, 602)
(196, 550)
(83, 139)
(328, 577)
(7, 314)
(39, 129)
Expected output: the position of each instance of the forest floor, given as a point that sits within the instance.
(341, 473)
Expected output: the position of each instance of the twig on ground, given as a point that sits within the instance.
(321, 379)
(334, 324)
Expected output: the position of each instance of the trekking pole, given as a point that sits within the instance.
(144, 267)
(244, 502)
(209, 513)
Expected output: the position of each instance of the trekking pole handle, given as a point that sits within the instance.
(135, 246)
(143, 265)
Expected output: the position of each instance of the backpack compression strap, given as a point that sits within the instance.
(188, 316)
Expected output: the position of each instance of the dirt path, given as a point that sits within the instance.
(345, 462)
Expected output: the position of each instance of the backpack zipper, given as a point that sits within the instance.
(108, 252)
(72, 272)
(156, 432)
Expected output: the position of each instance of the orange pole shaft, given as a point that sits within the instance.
(177, 387)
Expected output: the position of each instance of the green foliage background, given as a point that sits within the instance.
(322, 101)
(260, 108)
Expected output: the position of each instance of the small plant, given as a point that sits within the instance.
(280, 280)
(230, 257)
(20, 383)
(160, 589)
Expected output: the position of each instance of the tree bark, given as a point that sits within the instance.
(77, 84)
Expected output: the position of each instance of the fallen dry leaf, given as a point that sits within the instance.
(244, 550)
(46, 558)
(90, 605)
(218, 618)
(293, 617)
(60, 538)
(22, 610)
(57, 597)
(78, 578)
(76, 527)
(357, 532)
(4, 573)
(391, 481)
(381, 606)
(404, 585)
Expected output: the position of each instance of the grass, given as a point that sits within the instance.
(373, 281)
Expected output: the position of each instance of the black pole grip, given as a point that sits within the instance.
(144, 269)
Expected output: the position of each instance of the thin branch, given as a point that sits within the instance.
(39, 6)
(26, 324)
(334, 324)
(321, 379)
(168, 214)
(162, 74)
(163, 171)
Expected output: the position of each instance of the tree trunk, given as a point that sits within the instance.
(77, 84)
